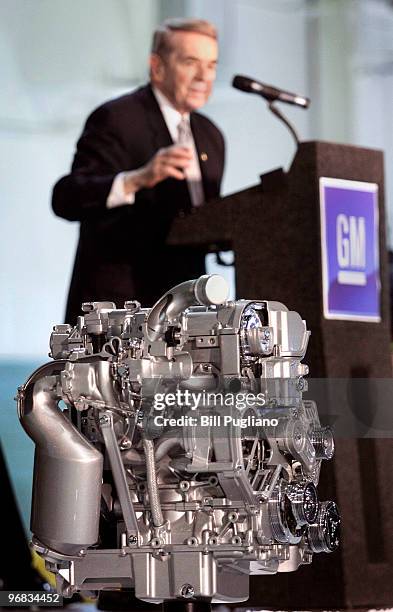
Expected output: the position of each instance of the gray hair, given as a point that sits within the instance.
(162, 36)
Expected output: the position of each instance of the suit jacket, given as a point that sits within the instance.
(122, 252)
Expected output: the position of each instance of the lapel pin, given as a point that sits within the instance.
(203, 157)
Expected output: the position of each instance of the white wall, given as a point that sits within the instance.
(372, 67)
(60, 59)
(267, 41)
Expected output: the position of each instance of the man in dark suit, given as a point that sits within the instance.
(143, 159)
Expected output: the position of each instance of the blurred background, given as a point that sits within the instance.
(61, 59)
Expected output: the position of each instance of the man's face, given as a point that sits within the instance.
(185, 75)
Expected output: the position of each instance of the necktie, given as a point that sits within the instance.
(193, 172)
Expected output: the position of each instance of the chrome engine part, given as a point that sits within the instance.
(175, 453)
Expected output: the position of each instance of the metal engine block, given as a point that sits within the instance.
(174, 452)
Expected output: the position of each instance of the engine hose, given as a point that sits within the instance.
(154, 497)
(164, 445)
(206, 290)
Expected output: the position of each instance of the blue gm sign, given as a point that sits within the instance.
(350, 250)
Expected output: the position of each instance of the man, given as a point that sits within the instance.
(141, 160)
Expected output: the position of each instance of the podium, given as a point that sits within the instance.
(274, 229)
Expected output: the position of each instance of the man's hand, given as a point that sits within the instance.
(168, 162)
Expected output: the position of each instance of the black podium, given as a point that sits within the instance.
(274, 229)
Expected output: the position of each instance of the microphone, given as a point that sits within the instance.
(268, 92)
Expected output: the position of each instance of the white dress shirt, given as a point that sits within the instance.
(173, 119)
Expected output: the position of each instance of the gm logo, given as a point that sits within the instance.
(351, 249)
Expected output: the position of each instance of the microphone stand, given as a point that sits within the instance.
(290, 127)
(282, 117)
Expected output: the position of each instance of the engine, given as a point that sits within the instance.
(174, 452)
